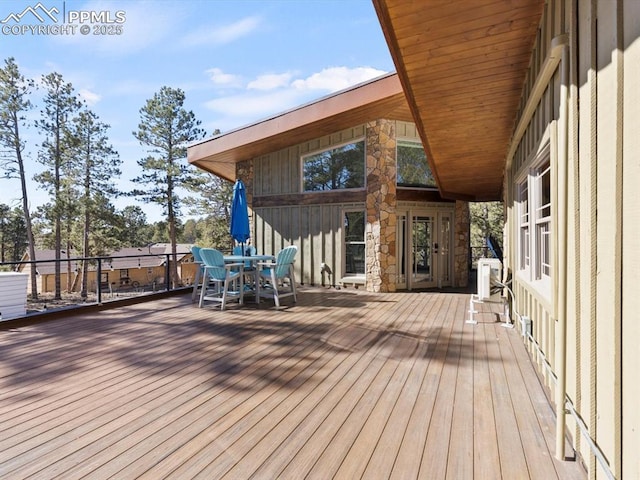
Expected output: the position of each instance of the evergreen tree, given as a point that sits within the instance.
(97, 165)
(213, 203)
(60, 106)
(166, 129)
(487, 220)
(13, 235)
(14, 90)
(134, 229)
(4, 220)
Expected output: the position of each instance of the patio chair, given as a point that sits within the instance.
(274, 276)
(222, 275)
(197, 259)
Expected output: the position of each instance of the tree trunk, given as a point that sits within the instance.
(27, 215)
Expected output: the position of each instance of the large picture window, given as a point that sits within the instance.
(413, 169)
(335, 169)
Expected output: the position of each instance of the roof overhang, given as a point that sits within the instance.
(461, 71)
(463, 66)
(382, 97)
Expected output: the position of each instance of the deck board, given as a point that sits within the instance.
(343, 384)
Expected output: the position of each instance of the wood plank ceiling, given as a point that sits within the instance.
(462, 65)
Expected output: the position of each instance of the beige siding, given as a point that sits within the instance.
(630, 235)
(603, 225)
(608, 236)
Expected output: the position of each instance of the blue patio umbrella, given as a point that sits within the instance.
(239, 215)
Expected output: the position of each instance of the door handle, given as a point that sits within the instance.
(435, 248)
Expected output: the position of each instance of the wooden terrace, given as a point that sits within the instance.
(343, 384)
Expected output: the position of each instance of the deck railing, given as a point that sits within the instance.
(96, 289)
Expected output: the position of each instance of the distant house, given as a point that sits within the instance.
(45, 270)
(127, 268)
(135, 270)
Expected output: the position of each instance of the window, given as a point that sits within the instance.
(413, 169)
(542, 181)
(534, 223)
(335, 169)
(354, 242)
(523, 194)
(124, 273)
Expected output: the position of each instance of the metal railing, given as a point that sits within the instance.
(74, 266)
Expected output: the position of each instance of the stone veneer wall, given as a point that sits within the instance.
(380, 234)
(461, 244)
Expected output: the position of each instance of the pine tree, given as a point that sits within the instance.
(14, 103)
(60, 106)
(213, 202)
(97, 164)
(166, 129)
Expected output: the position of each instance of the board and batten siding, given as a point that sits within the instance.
(596, 194)
(314, 229)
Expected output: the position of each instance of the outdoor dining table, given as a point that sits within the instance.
(252, 260)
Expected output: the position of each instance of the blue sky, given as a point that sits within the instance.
(238, 61)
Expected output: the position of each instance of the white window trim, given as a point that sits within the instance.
(530, 175)
(353, 277)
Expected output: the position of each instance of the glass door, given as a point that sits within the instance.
(424, 249)
(443, 251)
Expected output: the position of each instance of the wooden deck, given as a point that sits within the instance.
(344, 384)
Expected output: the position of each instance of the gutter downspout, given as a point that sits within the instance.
(563, 214)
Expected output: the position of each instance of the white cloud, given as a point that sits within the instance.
(90, 97)
(270, 81)
(222, 34)
(273, 93)
(218, 77)
(333, 79)
(254, 105)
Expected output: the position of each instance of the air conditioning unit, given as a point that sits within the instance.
(489, 278)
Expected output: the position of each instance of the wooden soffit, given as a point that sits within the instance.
(463, 65)
(382, 97)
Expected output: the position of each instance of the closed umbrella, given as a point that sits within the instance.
(239, 215)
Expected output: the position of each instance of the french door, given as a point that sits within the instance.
(424, 240)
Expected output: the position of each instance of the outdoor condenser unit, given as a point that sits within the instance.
(489, 279)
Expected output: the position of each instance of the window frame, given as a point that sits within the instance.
(346, 243)
(534, 224)
(524, 229)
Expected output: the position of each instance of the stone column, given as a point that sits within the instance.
(461, 244)
(381, 206)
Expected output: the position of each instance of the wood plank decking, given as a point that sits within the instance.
(344, 384)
